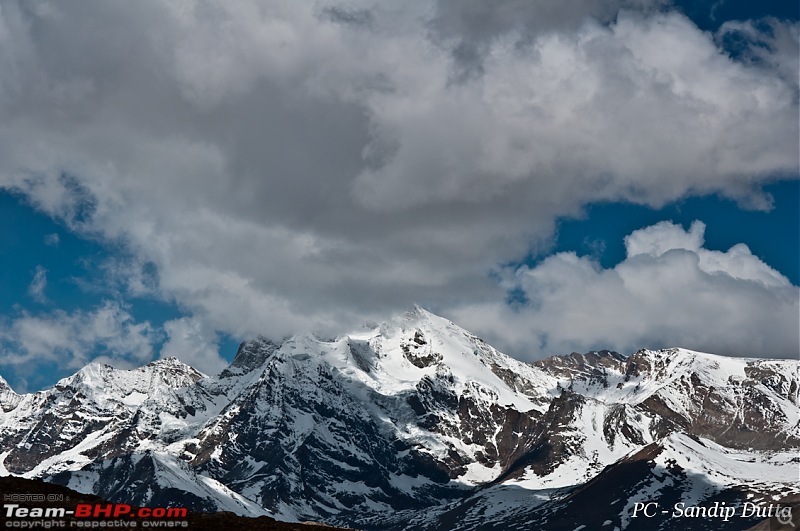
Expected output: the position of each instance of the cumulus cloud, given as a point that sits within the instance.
(192, 344)
(669, 291)
(738, 262)
(107, 333)
(291, 165)
(643, 110)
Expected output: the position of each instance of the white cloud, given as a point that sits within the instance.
(107, 333)
(294, 165)
(669, 291)
(52, 240)
(38, 284)
(192, 344)
(738, 262)
(767, 41)
(665, 236)
(645, 110)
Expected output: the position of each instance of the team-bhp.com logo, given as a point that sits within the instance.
(93, 515)
(110, 510)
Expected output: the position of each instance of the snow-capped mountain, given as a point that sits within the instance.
(369, 429)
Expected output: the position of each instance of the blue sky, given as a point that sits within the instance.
(535, 174)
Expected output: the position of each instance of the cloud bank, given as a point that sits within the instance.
(669, 291)
(70, 338)
(297, 166)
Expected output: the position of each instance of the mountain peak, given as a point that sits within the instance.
(251, 355)
(173, 371)
(169, 372)
(8, 398)
(419, 317)
(400, 417)
(171, 364)
(4, 386)
(416, 312)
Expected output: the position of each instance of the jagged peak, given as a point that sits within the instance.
(418, 317)
(172, 364)
(98, 375)
(676, 356)
(8, 397)
(169, 361)
(419, 314)
(251, 355)
(89, 372)
(415, 312)
(5, 387)
(172, 371)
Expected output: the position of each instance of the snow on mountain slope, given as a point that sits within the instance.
(155, 479)
(766, 473)
(8, 398)
(131, 387)
(679, 469)
(102, 420)
(98, 411)
(421, 344)
(740, 402)
(405, 414)
(367, 429)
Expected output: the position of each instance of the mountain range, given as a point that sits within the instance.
(418, 424)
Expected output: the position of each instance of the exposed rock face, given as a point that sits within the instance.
(8, 398)
(666, 472)
(369, 429)
(99, 411)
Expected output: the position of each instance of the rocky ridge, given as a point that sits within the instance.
(413, 424)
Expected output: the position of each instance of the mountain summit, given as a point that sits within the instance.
(416, 424)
